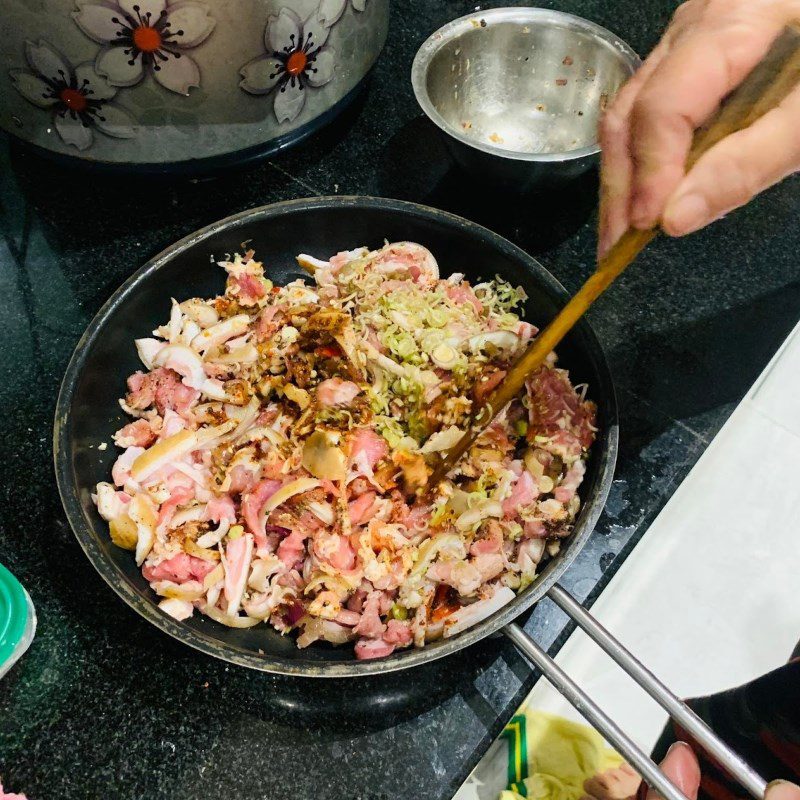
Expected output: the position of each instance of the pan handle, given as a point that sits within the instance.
(726, 758)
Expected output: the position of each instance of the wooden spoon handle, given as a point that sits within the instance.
(761, 91)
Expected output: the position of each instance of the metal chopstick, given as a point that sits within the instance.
(636, 757)
(730, 761)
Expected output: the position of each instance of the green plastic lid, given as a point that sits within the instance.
(17, 619)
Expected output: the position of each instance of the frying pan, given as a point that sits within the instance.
(88, 413)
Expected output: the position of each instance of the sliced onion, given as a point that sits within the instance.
(298, 486)
(213, 593)
(474, 516)
(261, 570)
(442, 440)
(185, 515)
(161, 453)
(470, 615)
(108, 502)
(193, 549)
(245, 416)
(224, 619)
(373, 354)
(246, 354)
(534, 466)
(189, 591)
(270, 434)
(448, 543)
(323, 512)
(213, 537)
(314, 629)
(502, 340)
(261, 606)
(142, 511)
(190, 330)
(220, 333)
(175, 322)
(199, 311)
(213, 435)
(217, 575)
(148, 349)
(177, 609)
(214, 389)
(185, 362)
(190, 472)
(310, 263)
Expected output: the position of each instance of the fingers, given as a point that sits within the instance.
(616, 170)
(736, 169)
(681, 767)
(782, 790)
(617, 783)
(682, 94)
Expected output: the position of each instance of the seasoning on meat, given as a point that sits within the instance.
(279, 433)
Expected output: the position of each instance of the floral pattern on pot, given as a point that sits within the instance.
(79, 98)
(331, 10)
(296, 61)
(146, 36)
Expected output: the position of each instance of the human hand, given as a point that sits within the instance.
(645, 136)
(622, 783)
(681, 767)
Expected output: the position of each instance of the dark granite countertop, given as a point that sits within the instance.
(105, 706)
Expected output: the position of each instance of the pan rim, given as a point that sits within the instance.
(403, 659)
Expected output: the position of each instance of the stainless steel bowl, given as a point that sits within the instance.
(519, 91)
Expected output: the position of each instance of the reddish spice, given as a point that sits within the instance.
(567, 62)
(328, 351)
(445, 602)
(561, 81)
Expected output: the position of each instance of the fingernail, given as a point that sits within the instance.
(782, 790)
(682, 760)
(603, 246)
(686, 214)
(678, 746)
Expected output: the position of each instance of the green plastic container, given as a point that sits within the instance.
(17, 620)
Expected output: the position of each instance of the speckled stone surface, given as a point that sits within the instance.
(103, 705)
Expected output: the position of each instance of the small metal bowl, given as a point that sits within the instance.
(519, 92)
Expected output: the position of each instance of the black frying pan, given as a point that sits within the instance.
(87, 412)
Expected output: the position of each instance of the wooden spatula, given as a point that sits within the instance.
(761, 91)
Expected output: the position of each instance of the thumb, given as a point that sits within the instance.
(681, 767)
(782, 790)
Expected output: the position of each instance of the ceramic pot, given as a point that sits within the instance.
(171, 84)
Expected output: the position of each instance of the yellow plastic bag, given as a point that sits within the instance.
(550, 757)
